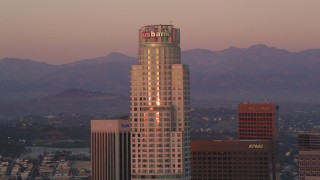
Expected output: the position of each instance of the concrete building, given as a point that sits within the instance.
(232, 159)
(309, 155)
(160, 103)
(110, 149)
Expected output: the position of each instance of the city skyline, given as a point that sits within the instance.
(160, 103)
(59, 31)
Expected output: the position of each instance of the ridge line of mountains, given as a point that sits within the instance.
(241, 74)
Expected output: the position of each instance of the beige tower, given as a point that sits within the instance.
(160, 103)
(110, 149)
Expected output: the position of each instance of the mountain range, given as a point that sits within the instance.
(255, 73)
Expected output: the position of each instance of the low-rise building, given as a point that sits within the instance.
(232, 159)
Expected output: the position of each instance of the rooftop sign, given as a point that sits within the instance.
(152, 34)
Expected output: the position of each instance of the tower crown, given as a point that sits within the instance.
(156, 34)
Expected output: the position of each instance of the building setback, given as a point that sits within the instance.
(160, 103)
(231, 159)
(110, 149)
(309, 155)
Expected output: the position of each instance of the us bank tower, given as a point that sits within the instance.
(159, 107)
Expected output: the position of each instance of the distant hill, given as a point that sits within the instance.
(71, 101)
(112, 57)
(255, 73)
(13, 69)
(27, 79)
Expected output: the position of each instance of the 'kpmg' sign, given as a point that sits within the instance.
(255, 146)
(152, 34)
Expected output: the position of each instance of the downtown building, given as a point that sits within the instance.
(110, 149)
(251, 157)
(159, 107)
(309, 155)
(231, 159)
(257, 121)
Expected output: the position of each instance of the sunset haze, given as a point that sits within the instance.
(63, 31)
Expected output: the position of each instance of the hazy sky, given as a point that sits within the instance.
(59, 31)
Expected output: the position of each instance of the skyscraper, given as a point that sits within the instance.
(110, 149)
(160, 103)
(257, 121)
(309, 155)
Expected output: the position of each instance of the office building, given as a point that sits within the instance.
(309, 155)
(257, 121)
(160, 103)
(232, 159)
(110, 149)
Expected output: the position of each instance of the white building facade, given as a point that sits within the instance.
(110, 149)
